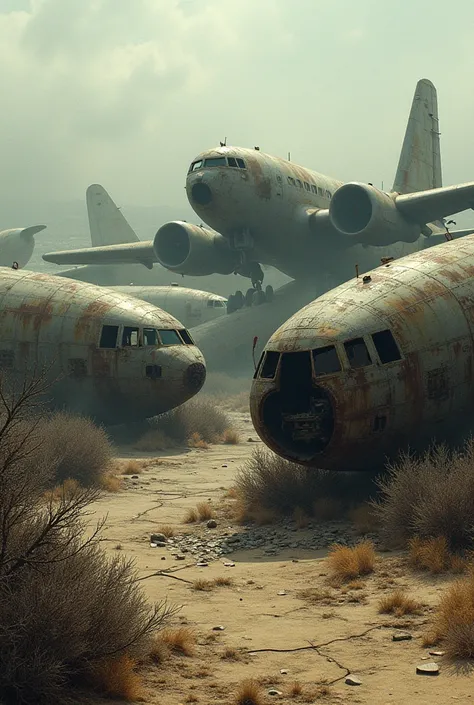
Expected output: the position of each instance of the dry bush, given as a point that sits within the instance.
(131, 467)
(364, 519)
(110, 482)
(429, 496)
(159, 651)
(230, 437)
(204, 511)
(76, 447)
(454, 620)
(191, 516)
(153, 440)
(434, 556)
(399, 604)
(249, 693)
(269, 483)
(117, 678)
(202, 585)
(180, 640)
(348, 563)
(296, 689)
(222, 581)
(195, 441)
(166, 530)
(230, 654)
(67, 611)
(317, 596)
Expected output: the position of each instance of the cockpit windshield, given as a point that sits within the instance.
(215, 161)
(234, 162)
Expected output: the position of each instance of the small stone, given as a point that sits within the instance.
(274, 691)
(437, 653)
(229, 564)
(153, 545)
(158, 538)
(283, 671)
(179, 557)
(428, 669)
(223, 466)
(401, 636)
(353, 680)
(281, 592)
(202, 565)
(250, 440)
(163, 558)
(212, 524)
(219, 628)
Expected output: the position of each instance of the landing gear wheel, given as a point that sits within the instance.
(231, 304)
(249, 297)
(238, 299)
(259, 297)
(269, 293)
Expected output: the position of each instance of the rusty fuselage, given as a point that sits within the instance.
(380, 363)
(103, 351)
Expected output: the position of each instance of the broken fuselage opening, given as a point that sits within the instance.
(299, 415)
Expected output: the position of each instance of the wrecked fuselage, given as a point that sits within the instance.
(107, 355)
(380, 363)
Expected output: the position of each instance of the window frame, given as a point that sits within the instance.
(326, 348)
(354, 340)
(169, 330)
(109, 347)
(394, 340)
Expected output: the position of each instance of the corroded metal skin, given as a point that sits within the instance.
(353, 419)
(55, 323)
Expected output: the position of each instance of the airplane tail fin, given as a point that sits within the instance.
(106, 222)
(419, 167)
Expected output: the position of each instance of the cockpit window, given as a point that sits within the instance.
(241, 163)
(270, 365)
(108, 337)
(299, 184)
(196, 165)
(259, 364)
(357, 353)
(170, 337)
(150, 336)
(386, 346)
(231, 161)
(326, 361)
(130, 337)
(186, 336)
(218, 303)
(215, 161)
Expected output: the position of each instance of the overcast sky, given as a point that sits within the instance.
(126, 92)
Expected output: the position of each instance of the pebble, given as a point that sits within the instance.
(180, 557)
(202, 565)
(437, 653)
(283, 671)
(401, 636)
(281, 592)
(229, 564)
(428, 669)
(274, 691)
(212, 524)
(158, 538)
(219, 628)
(353, 680)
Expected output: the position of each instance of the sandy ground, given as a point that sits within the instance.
(279, 636)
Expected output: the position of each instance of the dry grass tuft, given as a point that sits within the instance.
(454, 620)
(154, 440)
(117, 678)
(296, 689)
(131, 467)
(231, 437)
(166, 530)
(191, 516)
(196, 441)
(202, 585)
(159, 651)
(434, 556)
(181, 640)
(111, 483)
(349, 563)
(205, 511)
(399, 604)
(223, 582)
(317, 596)
(230, 654)
(249, 693)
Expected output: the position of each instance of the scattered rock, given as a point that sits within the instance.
(212, 524)
(223, 466)
(180, 557)
(274, 691)
(219, 628)
(428, 669)
(163, 558)
(229, 564)
(250, 440)
(401, 636)
(437, 653)
(353, 680)
(158, 538)
(281, 592)
(202, 565)
(283, 671)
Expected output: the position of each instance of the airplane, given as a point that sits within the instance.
(264, 210)
(107, 355)
(381, 363)
(17, 245)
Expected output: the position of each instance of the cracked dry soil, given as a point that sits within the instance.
(282, 621)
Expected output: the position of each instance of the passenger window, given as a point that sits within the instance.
(153, 371)
(326, 361)
(130, 337)
(186, 336)
(215, 161)
(299, 184)
(108, 337)
(357, 353)
(150, 336)
(170, 337)
(328, 194)
(218, 304)
(307, 186)
(386, 346)
(231, 161)
(241, 163)
(320, 191)
(291, 181)
(269, 365)
(314, 188)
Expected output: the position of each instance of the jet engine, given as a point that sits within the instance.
(369, 216)
(193, 250)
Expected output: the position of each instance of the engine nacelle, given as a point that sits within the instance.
(369, 216)
(192, 250)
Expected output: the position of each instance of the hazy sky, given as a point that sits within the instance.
(126, 92)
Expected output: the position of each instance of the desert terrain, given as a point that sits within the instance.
(259, 598)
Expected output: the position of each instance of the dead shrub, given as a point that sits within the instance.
(205, 511)
(190, 517)
(110, 482)
(153, 440)
(180, 640)
(230, 654)
(67, 611)
(117, 678)
(249, 693)
(159, 651)
(296, 689)
(429, 496)
(230, 437)
(316, 596)
(166, 530)
(348, 563)
(399, 604)
(454, 620)
(195, 441)
(202, 585)
(222, 581)
(269, 483)
(434, 556)
(131, 467)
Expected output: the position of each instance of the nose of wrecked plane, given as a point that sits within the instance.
(201, 193)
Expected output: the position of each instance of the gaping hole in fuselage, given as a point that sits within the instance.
(299, 416)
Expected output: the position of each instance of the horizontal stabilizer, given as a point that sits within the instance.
(126, 253)
(427, 206)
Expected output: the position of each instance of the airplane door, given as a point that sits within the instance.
(279, 185)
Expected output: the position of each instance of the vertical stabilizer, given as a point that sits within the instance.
(419, 167)
(106, 222)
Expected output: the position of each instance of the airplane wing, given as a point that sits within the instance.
(427, 206)
(126, 253)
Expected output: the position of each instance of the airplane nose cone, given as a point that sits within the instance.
(194, 377)
(201, 194)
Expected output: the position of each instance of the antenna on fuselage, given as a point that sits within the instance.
(289, 156)
(224, 143)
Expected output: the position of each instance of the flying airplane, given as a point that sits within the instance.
(107, 355)
(17, 245)
(380, 363)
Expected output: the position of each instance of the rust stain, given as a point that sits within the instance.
(263, 184)
(35, 314)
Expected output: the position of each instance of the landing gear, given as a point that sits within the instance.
(255, 295)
